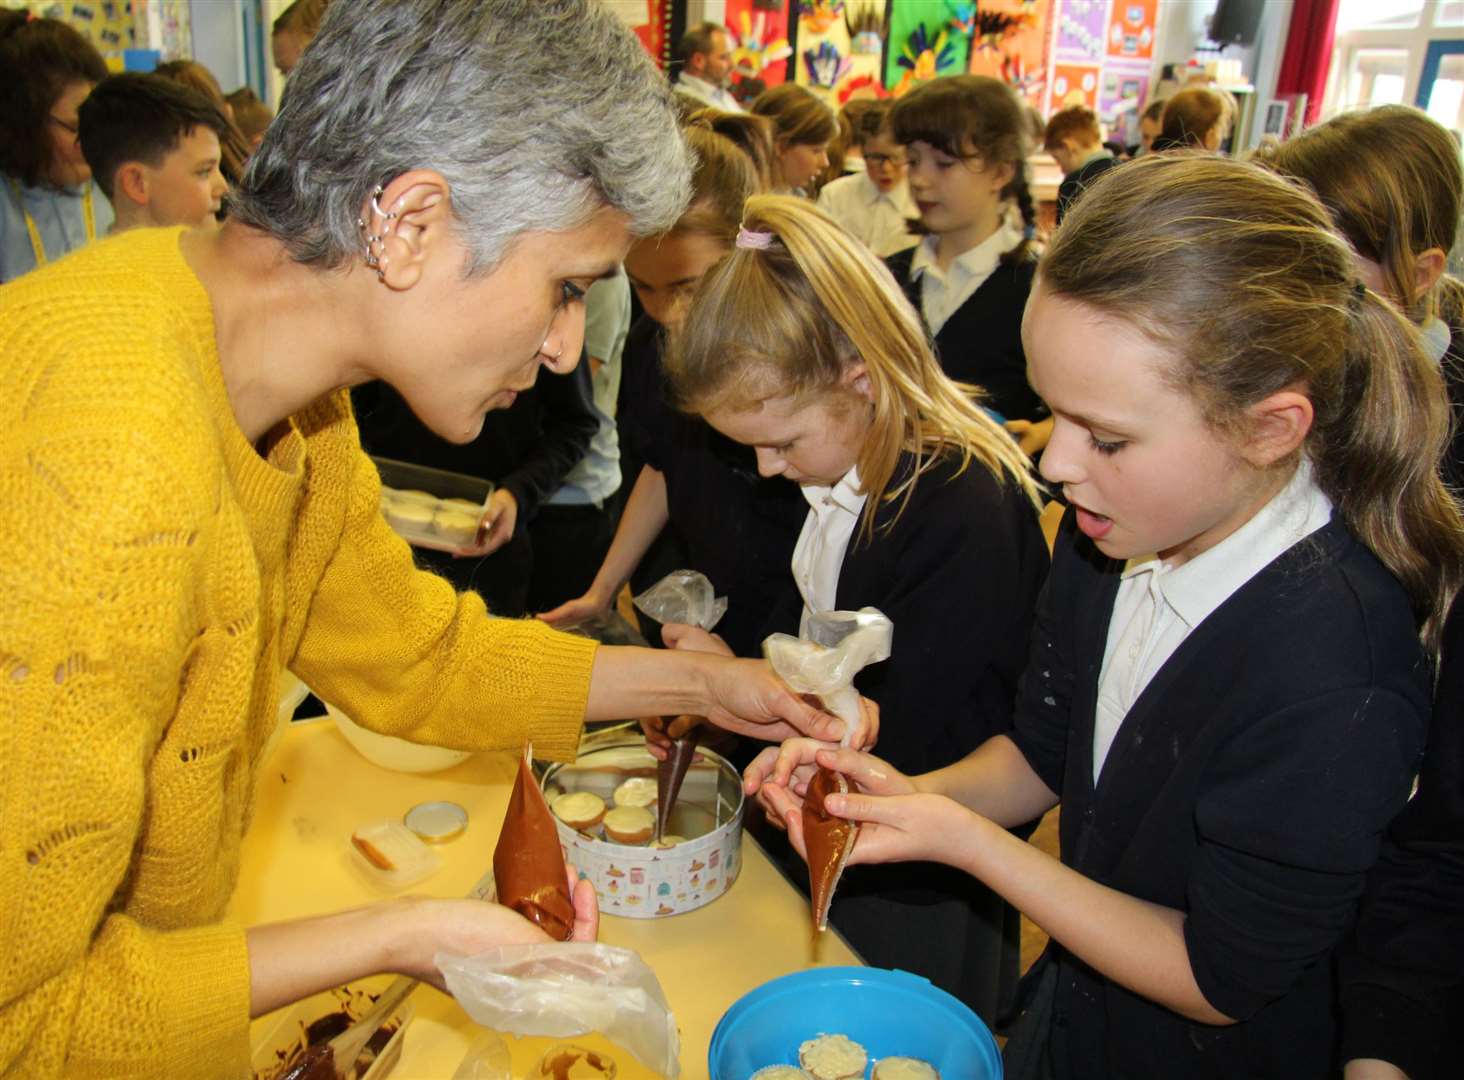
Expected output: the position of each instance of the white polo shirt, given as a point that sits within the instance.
(879, 219)
(818, 557)
(942, 292)
(715, 96)
(1157, 606)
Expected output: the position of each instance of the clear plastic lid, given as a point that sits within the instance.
(390, 855)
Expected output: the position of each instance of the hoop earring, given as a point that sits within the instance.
(377, 261)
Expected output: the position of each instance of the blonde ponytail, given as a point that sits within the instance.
(790, 319)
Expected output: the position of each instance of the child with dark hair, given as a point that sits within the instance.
(251, 116)
(153, 148)
(966, 141)
(1075, 141)
(874, 204)
(47, 204)
(193, 75)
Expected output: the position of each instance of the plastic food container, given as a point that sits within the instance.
(390, 855)
(389, 752)
(889, 1013)
(644, 882)
(432, 508)
(284, 1035)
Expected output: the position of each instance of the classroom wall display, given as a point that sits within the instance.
(925, 40)
(651, 21)
(1009, 41)
(1074, 84)
(760, 45)
(840, 48)
(117, 27)
(1131, 29)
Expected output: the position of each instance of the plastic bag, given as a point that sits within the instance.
(838, 645)
(683, 596)
(568, 989)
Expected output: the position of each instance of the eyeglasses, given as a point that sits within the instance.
(74, 130)
(885, 159)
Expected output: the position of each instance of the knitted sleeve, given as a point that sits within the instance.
(109, 510)
(402, 653)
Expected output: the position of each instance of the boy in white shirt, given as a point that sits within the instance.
(874, 205)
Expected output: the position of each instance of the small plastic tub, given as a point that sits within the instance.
(889, 1013)
(282, 1037)
(432, 508)
(391, 856)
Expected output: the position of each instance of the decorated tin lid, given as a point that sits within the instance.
(436, 822)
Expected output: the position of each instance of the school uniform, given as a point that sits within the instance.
(958, 571)
(1265, 746)
(1077, 181)
(1402, 973)
(878, 219)
(973, 312)
(737, 527)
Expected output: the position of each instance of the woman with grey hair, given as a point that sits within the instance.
(188, 511)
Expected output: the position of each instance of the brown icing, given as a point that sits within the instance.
(575, 1063)
(828, 841)
(528, 865)
(670, 774)
(317, 1063)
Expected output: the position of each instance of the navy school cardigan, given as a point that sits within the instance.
(1249, 787)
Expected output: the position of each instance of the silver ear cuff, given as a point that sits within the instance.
(376, 260)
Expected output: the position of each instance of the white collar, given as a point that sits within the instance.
(1196, 588)
(978, 261)
(1435, 337)
(846, 494)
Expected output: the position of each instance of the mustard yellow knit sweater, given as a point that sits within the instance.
(155, 576)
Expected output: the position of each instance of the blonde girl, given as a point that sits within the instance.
(1392, 180)
(1229, 679)
(723, 520)
(803, 126)
(801, 346)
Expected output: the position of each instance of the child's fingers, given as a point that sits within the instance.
(870, 773)
(759, 769)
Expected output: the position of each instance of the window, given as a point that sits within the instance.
(1378, 15)
(1379, 57)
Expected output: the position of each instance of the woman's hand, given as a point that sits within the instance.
(588, 606)
(694, 639)
(745, 697)
(428, 926)
(661, 730)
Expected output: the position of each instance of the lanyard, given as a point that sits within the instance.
(37, 247)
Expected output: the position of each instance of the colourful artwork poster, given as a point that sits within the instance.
(840, 51)
(1123, 90)
(1074, 84)
(759, 38)
(1015, 51)
(1131, 29)
(107, 24)
(1081, 27)
(649, 19)
(926, 40)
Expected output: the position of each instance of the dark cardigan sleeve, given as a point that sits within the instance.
(1289, 822)
(1403, 972)
(964, 566)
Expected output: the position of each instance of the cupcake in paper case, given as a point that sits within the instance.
(833, 1057)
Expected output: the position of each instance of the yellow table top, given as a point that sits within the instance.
(314, 790)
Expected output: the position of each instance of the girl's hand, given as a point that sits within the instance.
(789, 766)
(1372, 1069)
(588, 606)
(694, 638)
(1031, 437)
(892, 828)
(500, 517)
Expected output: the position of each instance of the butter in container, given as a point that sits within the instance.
(432, 508)
(390, 855)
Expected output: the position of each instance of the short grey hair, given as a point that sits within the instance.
(538, 113)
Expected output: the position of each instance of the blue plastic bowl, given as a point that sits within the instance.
(890, 1013)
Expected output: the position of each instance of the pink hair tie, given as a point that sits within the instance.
(756, 241)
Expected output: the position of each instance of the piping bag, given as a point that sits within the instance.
(528, 863)
(836, 646)
(682, 596)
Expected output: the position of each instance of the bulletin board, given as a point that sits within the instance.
(759, 32)
(651, 21)
(1009, 41)
(926, 40)
(840, 49)
(1102, 57)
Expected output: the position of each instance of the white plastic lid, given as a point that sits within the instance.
(390, 854)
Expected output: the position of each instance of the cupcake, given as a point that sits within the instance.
(668, 841)
(580, 810)
(404, 514)
(457, 525)
(779, 1072)
(904, 1068)
(637, 791)
(629, 824)
(833, 1057)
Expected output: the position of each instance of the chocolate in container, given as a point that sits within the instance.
(642, 881)
(279, 1039)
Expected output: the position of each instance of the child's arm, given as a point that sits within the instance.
(645, 516)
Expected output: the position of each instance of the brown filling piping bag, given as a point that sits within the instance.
(670, 774)
(528, 863)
